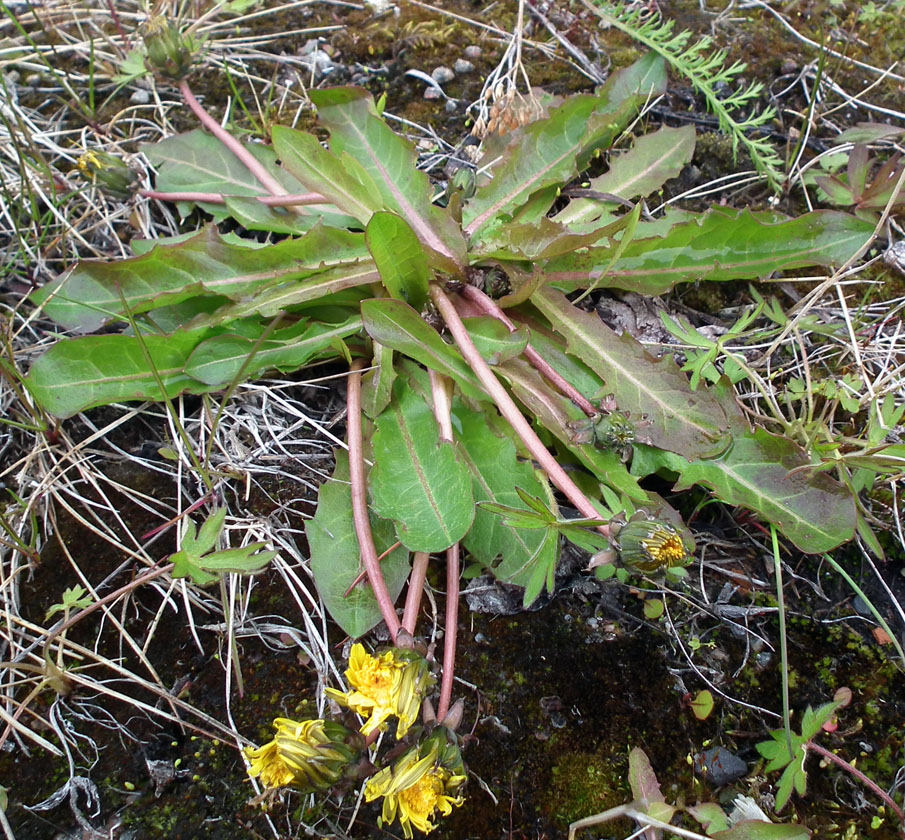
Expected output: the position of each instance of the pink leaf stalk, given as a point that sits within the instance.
(360, 502)
(488, 307)
(510, 410)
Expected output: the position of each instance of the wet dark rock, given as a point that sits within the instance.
(788, 67)
(719, 766)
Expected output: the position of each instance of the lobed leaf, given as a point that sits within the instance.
(546, 153)
(95, 292)
(400, 258)
(691, 423)
(395, 324)
(494, 341)
(760, 830)
(496, 473)
(720, 244)
(198, 162)
(653, 160)
(341, 179)
(390, 161)
(763, 472)
(219, 360)
(93, 370)
(312, 292)
(554, 412)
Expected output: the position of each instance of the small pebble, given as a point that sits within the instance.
(12, 77)
(789, 66)
(140, 97)
(450, 107)
(33, 79)
(473, 51)
(462, 66)
(442, 75)
(432, 93)
(719, 766)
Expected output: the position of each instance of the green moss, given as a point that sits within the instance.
(584, 784)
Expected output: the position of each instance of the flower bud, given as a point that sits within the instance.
(650, 545)
(169, 53)
(109, 172)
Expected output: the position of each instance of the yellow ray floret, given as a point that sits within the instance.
(309, 755)
(414, 790)
(392, 684)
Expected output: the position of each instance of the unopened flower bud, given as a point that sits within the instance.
(169, 53)
(109, 172)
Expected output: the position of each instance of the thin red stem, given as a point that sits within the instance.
(149, 575)
(451, 627)
(489, 307)
(868, 783)
(363, 575)
(287, 200)
(510, 410)
(360, 502)
(415, 591)
(251, 163)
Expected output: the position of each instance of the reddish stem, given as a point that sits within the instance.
(363, 575)
(360, 502)
(510, 410)
(149, 575)
(869, 783)
(415, 590)
(451, 626)
(251, 163)
(288, 200)
(489, 307)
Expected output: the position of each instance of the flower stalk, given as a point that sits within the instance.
(489, 307)
(359, 491)
(510, 410)
(288, 200)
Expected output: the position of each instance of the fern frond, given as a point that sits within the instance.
(705, 69)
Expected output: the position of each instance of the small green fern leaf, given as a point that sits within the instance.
(706, 69)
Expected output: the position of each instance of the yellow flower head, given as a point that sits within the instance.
(423, 782)
(309, 755)
(390, 685)
(651, 546)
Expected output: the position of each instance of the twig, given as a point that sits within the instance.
(631, 811)
(487, 305)
(510, 410)
(822, 47)
(581, 59)
(360, 502)
(869, 783)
